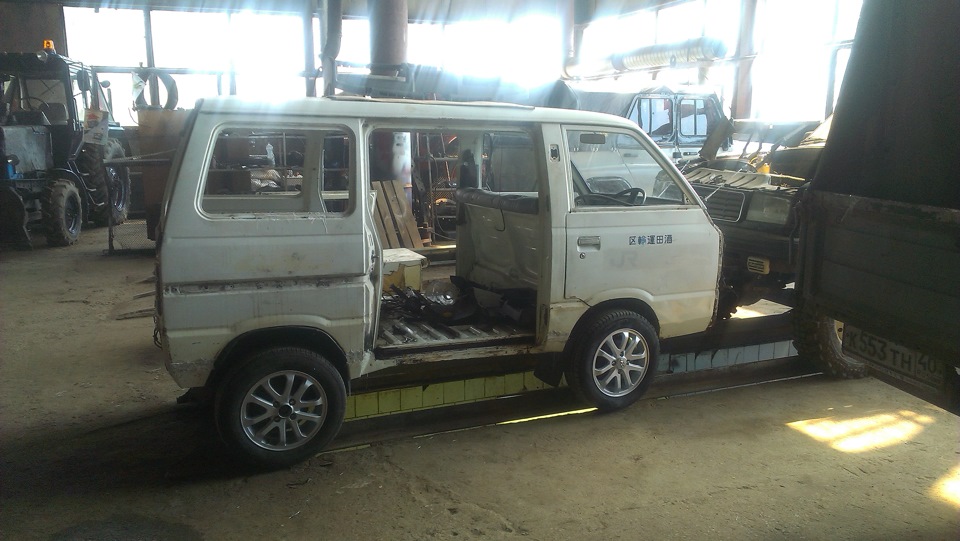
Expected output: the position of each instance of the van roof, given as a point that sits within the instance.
(363, 107)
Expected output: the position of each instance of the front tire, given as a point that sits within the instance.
(281, 406)
(614, 363)
(819, 341)
(62, 213)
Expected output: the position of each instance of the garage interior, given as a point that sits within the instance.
(740, 437)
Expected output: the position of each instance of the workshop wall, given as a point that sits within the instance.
(23, 27)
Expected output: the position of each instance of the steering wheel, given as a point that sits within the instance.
(28, 99)
(633, 193)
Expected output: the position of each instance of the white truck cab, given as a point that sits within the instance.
(270, 259)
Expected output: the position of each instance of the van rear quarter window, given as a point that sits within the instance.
(258, 170)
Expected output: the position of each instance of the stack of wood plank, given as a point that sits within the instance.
(394, 217)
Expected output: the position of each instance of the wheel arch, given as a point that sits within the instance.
(296, 336)
(634, 305)
(62, 173)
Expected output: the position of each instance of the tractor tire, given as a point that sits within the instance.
(13, 220)
(62, 213)
(818, 340)
(111, 182)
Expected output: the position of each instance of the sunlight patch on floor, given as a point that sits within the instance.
(548, 416)
(743, 313)
(864, 433)
(947, 488)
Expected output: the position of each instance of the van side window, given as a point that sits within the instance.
(694, 117)
(267, 171)
(496, 161)
(654, 116)
(509, 163)
(437, 168)
(612, 169)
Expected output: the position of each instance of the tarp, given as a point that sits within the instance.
(896, 128)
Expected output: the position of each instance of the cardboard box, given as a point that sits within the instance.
(401, 268)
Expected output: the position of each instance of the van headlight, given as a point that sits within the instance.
(770, 209)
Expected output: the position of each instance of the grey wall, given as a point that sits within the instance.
(23, 27)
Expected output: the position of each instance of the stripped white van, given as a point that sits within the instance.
(270, 267)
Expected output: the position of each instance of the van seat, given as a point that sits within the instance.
(509, 202)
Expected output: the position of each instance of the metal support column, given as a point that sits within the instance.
(309, 66)
(331, 32)
(388, 36)
(743, 91)
(151, 63)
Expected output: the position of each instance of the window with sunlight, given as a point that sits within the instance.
(680, 22)
(86, 32)
(196, 41)
(267, 54)
(791, 71)
(524, 52)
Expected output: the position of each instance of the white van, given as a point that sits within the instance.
(270, 258)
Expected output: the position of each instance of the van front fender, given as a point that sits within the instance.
(672, 314)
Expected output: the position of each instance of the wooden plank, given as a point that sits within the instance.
(409, 222)
(378, 225)
(403, 214)
(383, 211)
(386, 221)
(396, 213)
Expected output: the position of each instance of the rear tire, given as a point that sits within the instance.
(62, 213)
(819, 341)
(615, 361)
(280, 406)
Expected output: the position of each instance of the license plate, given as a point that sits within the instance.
(893, 359)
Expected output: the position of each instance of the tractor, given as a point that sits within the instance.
(59, 148)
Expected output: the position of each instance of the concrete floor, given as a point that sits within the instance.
(94, 447)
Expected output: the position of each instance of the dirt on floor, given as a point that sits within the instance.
(94, 447)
